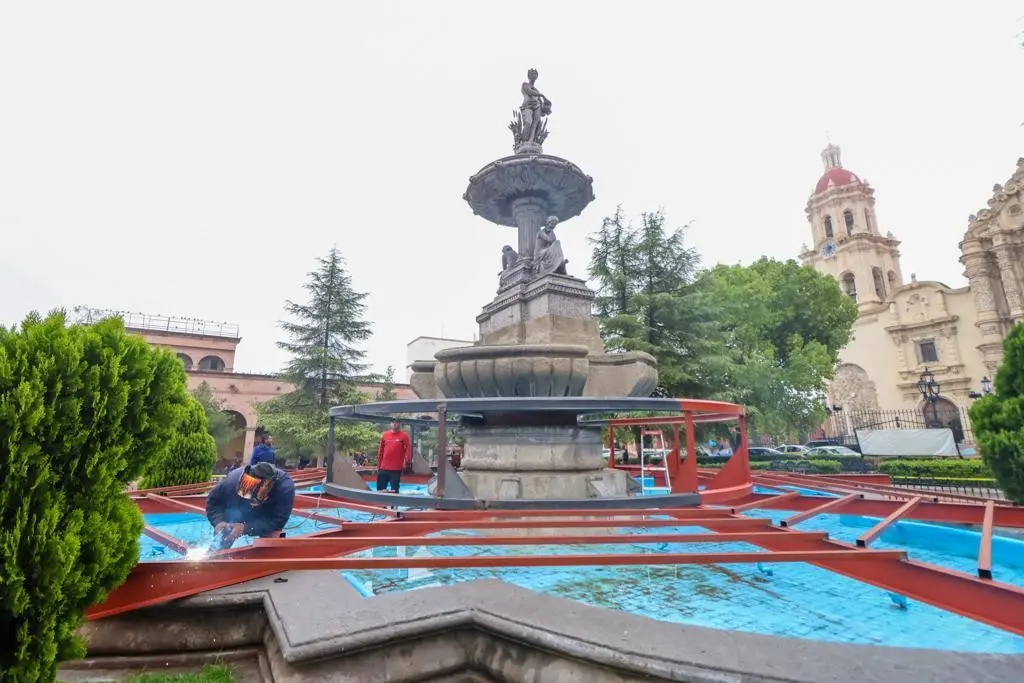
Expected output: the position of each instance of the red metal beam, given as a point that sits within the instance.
(832, 504)
(337, 521)
(175, 544)
(287, 547)
(610, 514)
(143, 588)
(484, 561)
(764, 502)
(955, 513)
(874, 532)
(360, 528)
(175, 504)
(985, 549)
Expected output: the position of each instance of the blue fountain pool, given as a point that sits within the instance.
(793, 600)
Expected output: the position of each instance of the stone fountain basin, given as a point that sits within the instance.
(511, 371)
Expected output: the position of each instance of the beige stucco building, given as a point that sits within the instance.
(207, 351)
(905, 327)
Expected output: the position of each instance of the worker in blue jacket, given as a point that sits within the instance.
(264, 451)
(254, 501)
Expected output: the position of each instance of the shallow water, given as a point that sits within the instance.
(793, 600)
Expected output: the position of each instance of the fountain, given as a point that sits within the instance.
(538, 336)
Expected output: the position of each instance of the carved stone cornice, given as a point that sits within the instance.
(939, 324)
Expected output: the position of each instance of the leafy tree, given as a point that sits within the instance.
(766, 335)
(387, 387)
(190, 453)
(218, 423)
(780, 327)
(998, 420)
(325, 338)
(84, 409)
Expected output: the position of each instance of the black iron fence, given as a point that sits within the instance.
(842, 425)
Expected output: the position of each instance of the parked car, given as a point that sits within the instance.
(833, 451)
(792, 449)
(764, 452)
(847, 442)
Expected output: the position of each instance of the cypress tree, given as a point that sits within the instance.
(190, 453)
(84, 409)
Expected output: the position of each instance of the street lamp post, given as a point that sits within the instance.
(986, 389)
(929, 389)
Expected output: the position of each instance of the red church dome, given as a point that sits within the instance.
(836, 177)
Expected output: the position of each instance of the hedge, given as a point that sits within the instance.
(951, 468)
(84, 409)
(815, 466)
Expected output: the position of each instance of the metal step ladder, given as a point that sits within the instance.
(657, 445)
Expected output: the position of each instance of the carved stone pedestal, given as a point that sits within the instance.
(551, 462)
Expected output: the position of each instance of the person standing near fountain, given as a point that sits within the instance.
(393, 455)
(254, 501)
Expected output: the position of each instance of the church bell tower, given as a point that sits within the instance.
(846, 242)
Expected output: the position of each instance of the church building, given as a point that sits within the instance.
(907, 327)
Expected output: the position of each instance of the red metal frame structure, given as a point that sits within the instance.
(726, 496)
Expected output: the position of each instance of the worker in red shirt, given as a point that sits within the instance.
(393, 455)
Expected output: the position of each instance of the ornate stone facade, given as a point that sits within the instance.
(902, 328)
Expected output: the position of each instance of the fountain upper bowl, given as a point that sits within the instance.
(512, 371)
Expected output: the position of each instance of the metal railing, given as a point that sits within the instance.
(161, 323)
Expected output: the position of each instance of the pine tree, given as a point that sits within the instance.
(387, 387)
(325, 340)
(326, 333)
(645, 295)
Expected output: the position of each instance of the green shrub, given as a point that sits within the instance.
(814, 466)
(952, 468)
(189, 455)
(83, 410)
(998, 420)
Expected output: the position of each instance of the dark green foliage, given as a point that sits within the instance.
(998, 420)
(325, 338)
(326, 333)
(766, 336)
(83, 411)
(190, 452)
(218, 423)
(646, 298)
(387, 387)
(945, 468)
(779, 329)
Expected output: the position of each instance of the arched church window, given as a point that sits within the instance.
(828, 227)
(848, 219)
(849, 285)
(867, 219)
(876, 275)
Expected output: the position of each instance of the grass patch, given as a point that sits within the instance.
(211, 673)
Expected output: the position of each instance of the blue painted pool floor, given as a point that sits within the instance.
(795, 600)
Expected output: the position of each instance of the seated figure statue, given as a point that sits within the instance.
(547, 250)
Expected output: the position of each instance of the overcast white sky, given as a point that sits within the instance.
(194, 158)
